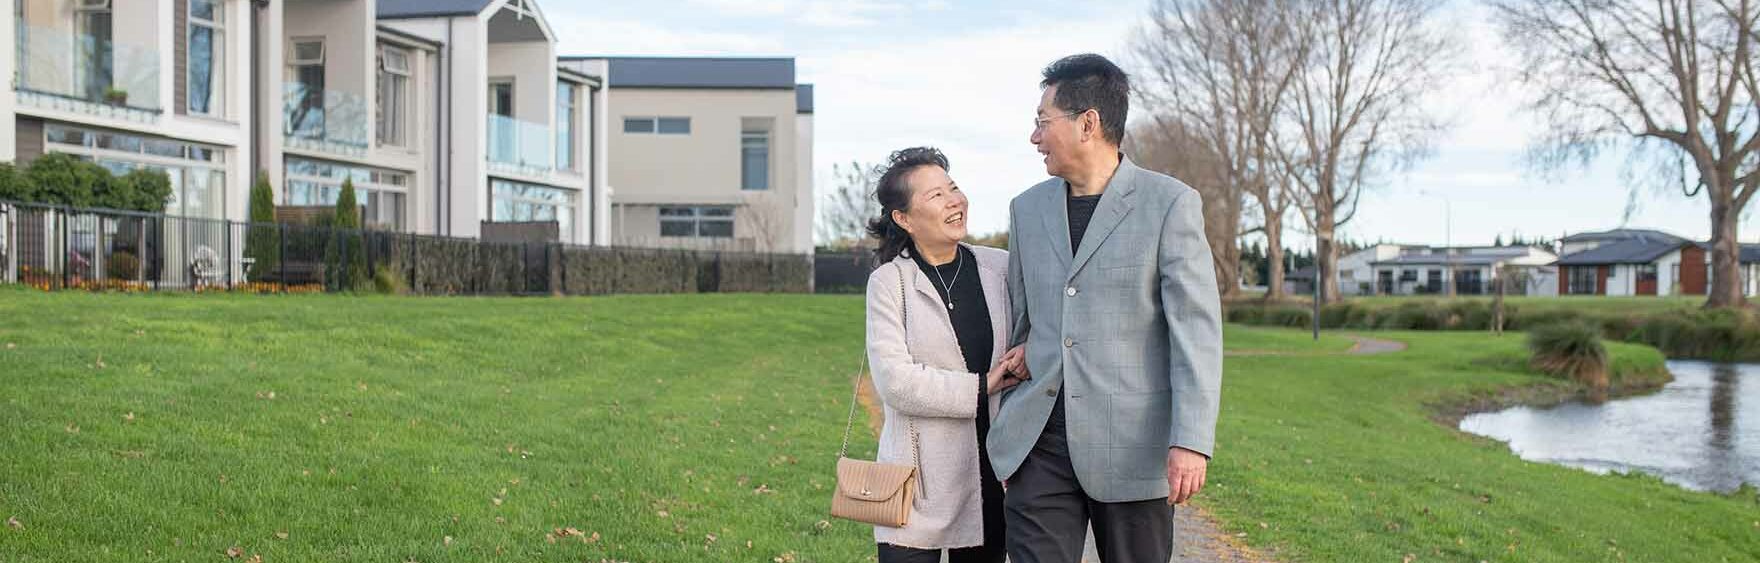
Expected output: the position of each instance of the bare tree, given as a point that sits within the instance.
(1219, 70)
(1672, 78)
(1168, 147)
(767, 221)
(1356, 111)
(843, 220)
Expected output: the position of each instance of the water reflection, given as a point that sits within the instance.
(1689, 433)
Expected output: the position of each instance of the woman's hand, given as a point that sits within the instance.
(1003, 375)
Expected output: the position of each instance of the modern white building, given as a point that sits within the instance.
(1410, 270)
(712, 153)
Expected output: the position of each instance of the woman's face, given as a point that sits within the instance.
(937, 212)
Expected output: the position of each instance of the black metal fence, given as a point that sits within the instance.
(52, 247)
(842, 272)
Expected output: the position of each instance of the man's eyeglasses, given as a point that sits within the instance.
(1039, 122)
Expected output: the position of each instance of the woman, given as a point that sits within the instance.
(937, 320)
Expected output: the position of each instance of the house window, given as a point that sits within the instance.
(1583, 280)
(393, 116)
(207, 57)
(519, 202)
(93, 49)
(754, 153)
(1408, 275)
(317, 183)
(197, 172)
(673, 126)
(565, 109)
(305, 91)
(698, 221)
(638, 125)
(661, 125)
(1647, 273)
(1434, 283)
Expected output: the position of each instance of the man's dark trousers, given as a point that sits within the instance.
(1048, 513)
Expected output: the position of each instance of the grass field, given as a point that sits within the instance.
(141, 428)
(680, 428)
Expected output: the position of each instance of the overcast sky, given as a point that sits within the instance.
(963, 75)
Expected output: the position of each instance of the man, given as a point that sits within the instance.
(1114, 296)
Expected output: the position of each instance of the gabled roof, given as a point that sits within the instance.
(1463, 256)
(1624, 234)
(699, 72)
(1628, 251)
(393, 9)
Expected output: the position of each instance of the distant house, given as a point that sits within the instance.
(1642, 262)
(1403, 269)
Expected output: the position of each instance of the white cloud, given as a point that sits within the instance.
(971, 95)
(626, 37)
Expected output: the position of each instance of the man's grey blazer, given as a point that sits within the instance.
(1129, 329)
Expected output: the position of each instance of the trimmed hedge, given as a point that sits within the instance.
(1722, 335)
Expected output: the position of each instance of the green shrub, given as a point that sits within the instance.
(122, 266)
(260, 244)
(386, 281)
(15, 186)
(1571, 350)
(1421, 315)
(345, 254)
(1290, 317)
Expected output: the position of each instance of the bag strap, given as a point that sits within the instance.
(862, 371)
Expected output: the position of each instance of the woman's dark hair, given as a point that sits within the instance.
(1088, 81)
(895, 195)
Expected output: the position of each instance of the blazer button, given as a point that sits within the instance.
(1051, 392)
(1069, 343)
(1070, 291)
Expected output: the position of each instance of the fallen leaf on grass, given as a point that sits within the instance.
(234, 552)
(12, 522)
(10, 346)
(129, 417)
(280, 535)
(72, 428)
(788, 557)
(447, 541)
(255, 559)
(496, 501)
(763, 490)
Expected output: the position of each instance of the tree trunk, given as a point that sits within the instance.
(1726, 270)
(1326, 256)
(1273, 255)
(1222, 226)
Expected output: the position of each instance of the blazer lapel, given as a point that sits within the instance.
(1056, 217)
(1111, 211)
(996, 300)
(919, 281)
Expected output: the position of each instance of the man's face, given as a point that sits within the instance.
(1058, 133)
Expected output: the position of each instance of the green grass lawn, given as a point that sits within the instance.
(141, 428)
(1337, 458)
(679, 428)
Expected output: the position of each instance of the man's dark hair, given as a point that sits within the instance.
(1089, 81)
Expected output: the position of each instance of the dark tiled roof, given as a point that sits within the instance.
(430, 8)
(699, 72)
(1750, 252)
(803, 98)
(1631, 251)
(1624, 234)
(1478, 256)
(1445, 259)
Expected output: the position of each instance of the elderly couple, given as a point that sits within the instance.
(1080, 372)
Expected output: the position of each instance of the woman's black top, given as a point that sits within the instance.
(971, 325)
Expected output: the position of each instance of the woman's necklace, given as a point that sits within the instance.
(947, 288)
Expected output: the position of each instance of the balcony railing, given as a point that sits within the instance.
(325, 120)
(85, 73)
(521, 146)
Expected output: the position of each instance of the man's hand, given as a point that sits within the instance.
(1185, 474)
(1017, 359)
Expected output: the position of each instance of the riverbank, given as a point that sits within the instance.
(1342, 458)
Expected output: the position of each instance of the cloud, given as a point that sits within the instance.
(971, 95)
(822, 13)
(630, 37)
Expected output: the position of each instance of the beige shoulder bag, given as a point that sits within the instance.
(869, 491)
